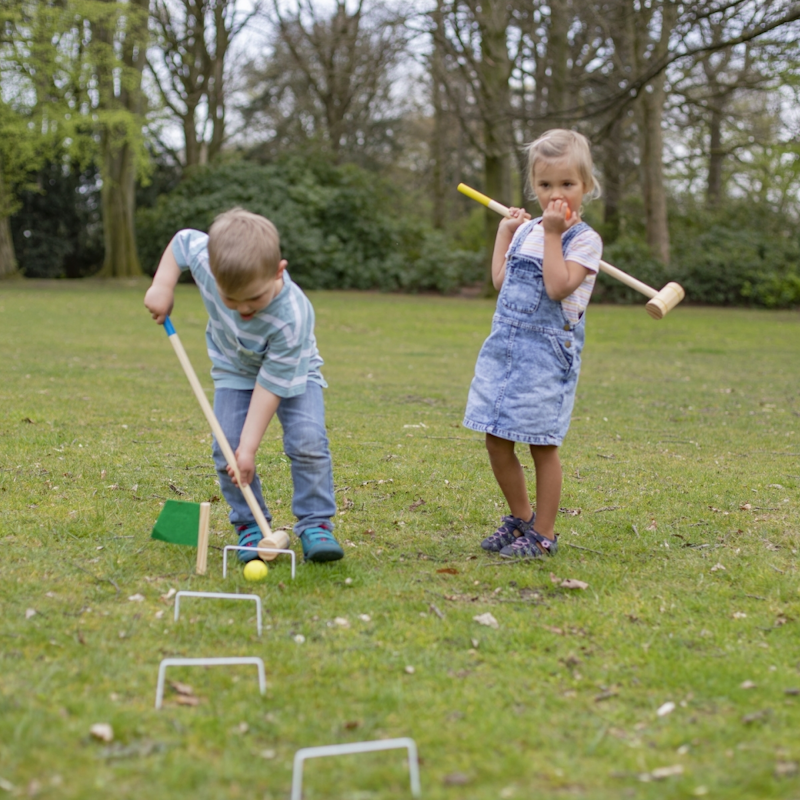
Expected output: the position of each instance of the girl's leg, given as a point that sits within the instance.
(509, 476)
(548, 487)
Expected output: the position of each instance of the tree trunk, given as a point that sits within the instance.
(118, 196)
(612, 182)
(438, 145)
(716, 155)
(8, 261)
(557, 59)
(496, 71)
(651, 138)
(118, 144)
(652, 169)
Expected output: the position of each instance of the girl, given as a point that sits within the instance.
(527, 370)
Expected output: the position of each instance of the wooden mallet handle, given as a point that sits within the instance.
(661, 303)
(222, 440)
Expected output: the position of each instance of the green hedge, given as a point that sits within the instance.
(721, 265)
(339, 225)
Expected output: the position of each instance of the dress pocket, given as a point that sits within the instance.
(522, 289)
(563, 351)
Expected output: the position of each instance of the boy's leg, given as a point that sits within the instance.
(305, 442)
(230, 408)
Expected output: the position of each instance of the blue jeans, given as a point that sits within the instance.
(305, 442)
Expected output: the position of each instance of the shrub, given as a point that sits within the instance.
(338, 225)
(717, 265)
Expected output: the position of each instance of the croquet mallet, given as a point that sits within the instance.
(659, 304)
(275, 540)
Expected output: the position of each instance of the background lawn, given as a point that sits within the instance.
(680, 503)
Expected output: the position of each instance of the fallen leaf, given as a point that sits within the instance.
(747, 685)
(774, 486)
(554, 578)
(447, 571)
(268, 754)
(416, 504)
(342, 622)
(136, 598)
(187, 700)
(739, 615)
(745, 507)
(169, 595)
(365, 617)
(755, 716)
(573, 583)
(410, 670)
(352, 724)
(486, 619)
(717, 567)
(653, 526)
(30, 612)
(557, 631)
(665, 709)
(182, 688)
(102, 731)
(783, 769)
(605, 695)
(661, 773)
(456, 779)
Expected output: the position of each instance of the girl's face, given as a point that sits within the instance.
(558, 180)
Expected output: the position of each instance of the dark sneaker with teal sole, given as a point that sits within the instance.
(249, 536)
(531, 545)
(319, 544)
(511, 528)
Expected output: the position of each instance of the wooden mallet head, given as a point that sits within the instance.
(664, 301)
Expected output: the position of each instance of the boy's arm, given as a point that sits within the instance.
(561, 278)
(160, 297)
(263, 406)
(505, 233)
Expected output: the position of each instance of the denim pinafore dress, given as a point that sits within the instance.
(527, 370)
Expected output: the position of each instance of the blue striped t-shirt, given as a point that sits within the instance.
(276, 348)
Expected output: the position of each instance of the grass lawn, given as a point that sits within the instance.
(680, 501)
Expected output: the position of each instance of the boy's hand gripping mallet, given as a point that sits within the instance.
(278, 540)
(660, 303)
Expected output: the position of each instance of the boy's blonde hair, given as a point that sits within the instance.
(242, 247)
(558, 144)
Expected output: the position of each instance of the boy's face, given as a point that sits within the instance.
(559, 180)
(254, 296)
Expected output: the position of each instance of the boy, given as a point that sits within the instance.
(260, 338)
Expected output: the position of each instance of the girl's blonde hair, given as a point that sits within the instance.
(242, 247)
(559, 144)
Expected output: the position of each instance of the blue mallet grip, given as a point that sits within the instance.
(169, 328)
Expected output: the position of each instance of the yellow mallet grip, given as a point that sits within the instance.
(473, 194)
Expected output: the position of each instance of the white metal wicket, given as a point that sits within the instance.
(208, 662)
(262, 549)
(220, 596)
(357, 747)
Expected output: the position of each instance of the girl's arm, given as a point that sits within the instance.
(561, 278)
(505, 233)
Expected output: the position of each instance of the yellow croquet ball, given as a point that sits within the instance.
(255, 570)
